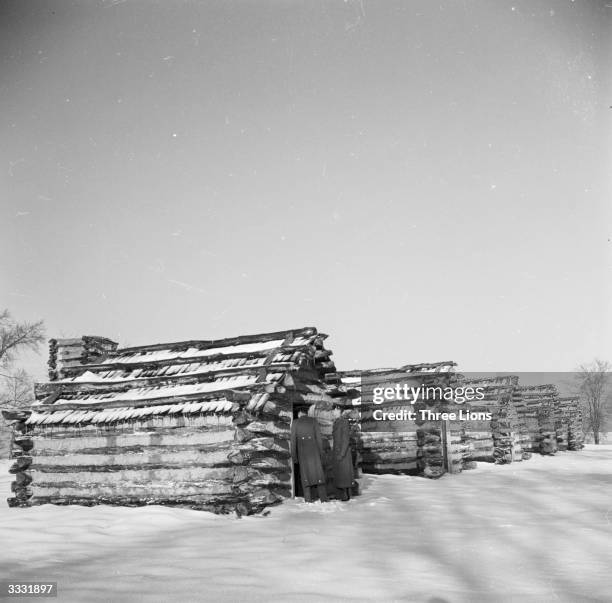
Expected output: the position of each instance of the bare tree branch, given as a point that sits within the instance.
(17, 390)
(18, 336)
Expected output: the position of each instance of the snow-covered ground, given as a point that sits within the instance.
(536, 531)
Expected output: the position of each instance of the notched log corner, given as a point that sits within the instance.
(23, 462)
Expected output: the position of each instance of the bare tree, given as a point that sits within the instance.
(16, 337)
(593, 383)
(17, 390)
(16, 387)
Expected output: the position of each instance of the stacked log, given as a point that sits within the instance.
(20, 451)
(235, 459)
(203, 424)
(69, 353)
(569, 423)
(561, 425)
(518, 453)
(492, 440)
(478, 440)
(408, 446)
(547, 426)
(431, 449)
(457, 448)
(535, 408)
(391, 453)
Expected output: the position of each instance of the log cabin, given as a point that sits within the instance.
(408, 446)
(202, 424)
(496, 439)
(536, 406)
(569, 423)
(206, 424)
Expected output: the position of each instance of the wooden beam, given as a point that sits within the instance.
(220, 343)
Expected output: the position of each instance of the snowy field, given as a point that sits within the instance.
(536, 531)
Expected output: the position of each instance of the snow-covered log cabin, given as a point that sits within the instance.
(205, 424)
(536, 405)
(496, 439)
(568, 423)
(406, 446)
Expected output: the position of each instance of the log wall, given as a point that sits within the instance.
(233, 462)
(496, 439)
(400, 447)
(568, 424)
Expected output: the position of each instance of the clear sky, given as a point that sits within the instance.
(421, 180)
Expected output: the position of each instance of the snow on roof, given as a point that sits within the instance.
(166, 391)
(108, 415)
(183, 374)
(187, 369)
(193, 352)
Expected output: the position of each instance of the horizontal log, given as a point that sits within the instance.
(243, 395)
(220, 505)
(246, 503)
(264, 444)
(386, 446)
(169, 491)
(362, 443)
(138, 450)
(16, 415)
(382, 468)
(18, 502)
(119, 462)
(371, 426)
(130, 441)
(484, 457)
(389, 447)
(269, 463)
(372, 436)
(286, 336)
(477, 444)
(368, 459)
(158, 423)
(153, 364)
(148, 478)
(267, 480)
(75, 352)
(104, 387)
(268, 427)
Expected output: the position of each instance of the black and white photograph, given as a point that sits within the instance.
(306, 301)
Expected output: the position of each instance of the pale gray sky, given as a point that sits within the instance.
(422, 180)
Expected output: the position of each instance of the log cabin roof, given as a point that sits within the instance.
(427, 367)
(197, 376)
(219, 405)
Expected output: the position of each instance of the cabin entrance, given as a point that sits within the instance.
(324, 416)
(296, 482)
